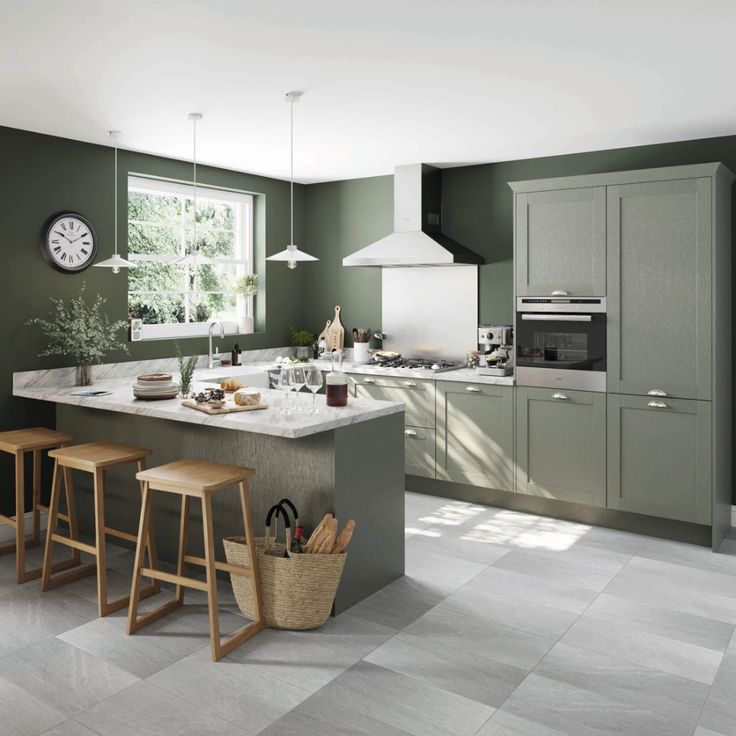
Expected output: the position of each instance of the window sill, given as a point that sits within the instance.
(185, 331)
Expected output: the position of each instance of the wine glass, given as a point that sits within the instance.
(314, 384)
(296, 380)
(284, 384)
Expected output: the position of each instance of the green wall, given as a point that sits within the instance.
(43, 175)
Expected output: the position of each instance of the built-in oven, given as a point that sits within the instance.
(561, 342)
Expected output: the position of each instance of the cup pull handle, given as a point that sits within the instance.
(560, 292)
(657, 404)
(410, 383)
(472, 389)
(369, 380)
(560, 396)
(657, 392)
(409, 433)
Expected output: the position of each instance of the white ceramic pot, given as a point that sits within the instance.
(360, 352)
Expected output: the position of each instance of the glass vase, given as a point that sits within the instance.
(84, 374)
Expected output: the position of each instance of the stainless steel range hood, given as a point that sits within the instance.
(417, 239)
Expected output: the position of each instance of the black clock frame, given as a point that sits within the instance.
(45, 238)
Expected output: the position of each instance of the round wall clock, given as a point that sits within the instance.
(69, 242)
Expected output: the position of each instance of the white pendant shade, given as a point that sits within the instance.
(292, 254)
(116, 262)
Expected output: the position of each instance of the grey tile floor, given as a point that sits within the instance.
(506, 624)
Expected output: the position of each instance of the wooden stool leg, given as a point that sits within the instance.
(20, 512)
(51, 527)
(36, 497)
(150, 541)
(71, 511)
(183, 529)
(251, 544)
(209, 563)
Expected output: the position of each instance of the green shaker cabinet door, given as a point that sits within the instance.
(659, 457)
(419, 449)
(418, 396)
(659, 288)
(561, 445)
(560, 242)
(475, 434)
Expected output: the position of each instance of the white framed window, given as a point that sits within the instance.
(177, 299)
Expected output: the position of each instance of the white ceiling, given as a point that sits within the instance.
(387, 81)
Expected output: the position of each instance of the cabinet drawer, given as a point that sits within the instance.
(418, 396)
(659, 457)
(561, 445)
(419, 448)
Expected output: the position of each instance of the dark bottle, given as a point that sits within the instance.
(296, 543)
(336, 382)
(235, 359)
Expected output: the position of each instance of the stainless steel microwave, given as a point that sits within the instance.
(561, 342)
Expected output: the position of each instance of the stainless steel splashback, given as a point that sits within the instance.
(430, 311)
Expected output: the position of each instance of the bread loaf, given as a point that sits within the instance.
(344, 538)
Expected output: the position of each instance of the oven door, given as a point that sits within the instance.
(561, 350)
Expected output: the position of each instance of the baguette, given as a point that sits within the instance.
(344, 538)
(327, 541)
(319, 530)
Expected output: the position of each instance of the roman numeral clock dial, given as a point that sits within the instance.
(69, 242)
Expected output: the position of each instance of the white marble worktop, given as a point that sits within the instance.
(271, 421)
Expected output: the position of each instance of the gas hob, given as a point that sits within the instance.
(421, 364)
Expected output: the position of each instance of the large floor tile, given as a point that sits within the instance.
(238, 692)
(430, 565)
(677, 625)
(151, 649)
(503, 723)
(475, 675)
(472, 634)
(72, 727)
(715, 723)
(435, 540)
(406, 703)
(298, 660)
(23, 714)
(689, 555)
(688, 661)
(145, 710)
(699, 579)
(350, 634)
(576, 711)
(67, 678)
(509, 610)
(555, 593)
(723, 693)
(589, 567)
(401, 602)
(326, 717)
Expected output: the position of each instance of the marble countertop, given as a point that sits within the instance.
(271, 421)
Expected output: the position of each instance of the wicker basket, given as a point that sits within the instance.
(297, 591)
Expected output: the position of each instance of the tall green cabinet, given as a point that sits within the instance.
(657, 244)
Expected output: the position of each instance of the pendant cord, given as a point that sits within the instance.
(291, 122)
(194, 159)
(116, 195)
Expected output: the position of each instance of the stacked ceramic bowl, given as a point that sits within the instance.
(155, 386)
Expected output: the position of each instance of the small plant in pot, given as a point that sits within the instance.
(301, 341)
(82, 331)
(186, 372)
(245, 288)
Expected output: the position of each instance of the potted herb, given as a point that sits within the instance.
(301, 341)
(186, 372)
(245, 288)
(81, 331)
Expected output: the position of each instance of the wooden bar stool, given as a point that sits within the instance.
(94, 458)
(189, 478)
(18, 442)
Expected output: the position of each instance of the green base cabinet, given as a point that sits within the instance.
(659, 457)
(418, 396)
(475, 434)
(561, 445)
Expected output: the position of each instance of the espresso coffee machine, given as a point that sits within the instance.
(495, 345)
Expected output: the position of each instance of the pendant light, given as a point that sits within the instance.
(115, 262)
(292, 254)
(194, 259)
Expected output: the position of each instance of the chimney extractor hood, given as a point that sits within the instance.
(417, 239)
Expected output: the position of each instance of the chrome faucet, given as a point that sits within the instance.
(210, 362)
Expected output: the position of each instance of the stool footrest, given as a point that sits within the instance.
(121, 534)
(151, 616)
(225, 646)
(70, 577)
(169, 577)
(246, 572)
(90, 549)
(28, 543)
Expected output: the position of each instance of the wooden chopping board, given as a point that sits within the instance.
(335, 332)
(227, 409)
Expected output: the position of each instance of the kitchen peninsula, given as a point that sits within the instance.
(320, 461)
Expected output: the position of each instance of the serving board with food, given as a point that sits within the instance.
(224, 409)
(213, 401)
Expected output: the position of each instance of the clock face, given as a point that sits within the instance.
(69, 242)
